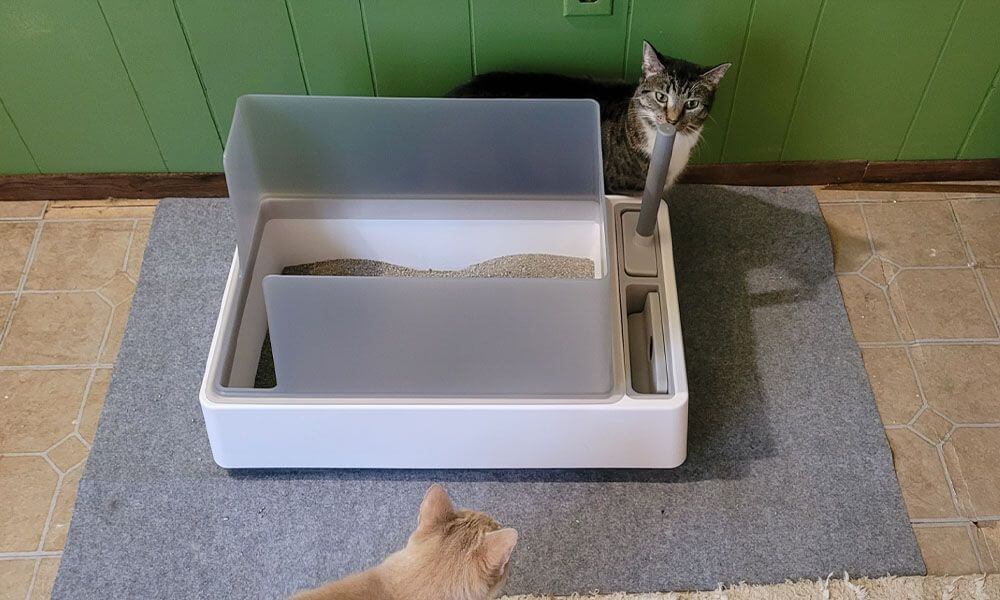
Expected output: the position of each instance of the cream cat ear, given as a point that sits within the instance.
(435, 509)
(498, 546)
(651, 64)
(714, 75)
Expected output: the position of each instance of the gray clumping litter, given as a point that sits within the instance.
(511, 266)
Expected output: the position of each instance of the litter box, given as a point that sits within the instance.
(438, 372)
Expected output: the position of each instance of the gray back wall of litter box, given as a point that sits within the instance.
(789, 474)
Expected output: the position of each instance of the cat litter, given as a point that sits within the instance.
(514, 312)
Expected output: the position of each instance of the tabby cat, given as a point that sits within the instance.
(452, 555)
(671, 91)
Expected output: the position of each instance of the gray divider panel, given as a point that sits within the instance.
(378, 336)
(336, 147)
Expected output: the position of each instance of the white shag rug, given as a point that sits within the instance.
(966, 587)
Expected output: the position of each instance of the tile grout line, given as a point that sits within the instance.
(28, 260)
(83, 405)
(32, 554)
(992, 305)
(73, 367)
(970, 529)
(883, 290)
(941, 521)
(128, 247)
(34, 577)
(952, 491)
(52, 505)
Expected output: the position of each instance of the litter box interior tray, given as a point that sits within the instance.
(424, 337)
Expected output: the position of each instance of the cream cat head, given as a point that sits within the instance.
(454, 554)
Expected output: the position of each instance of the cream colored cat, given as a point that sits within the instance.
(452, 555)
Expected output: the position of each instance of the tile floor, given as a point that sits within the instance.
(920, 273)
(67, 272)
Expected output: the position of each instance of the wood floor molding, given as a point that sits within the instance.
(75, 186)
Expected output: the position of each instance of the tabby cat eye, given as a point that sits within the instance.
(661, 97)
(692, 104)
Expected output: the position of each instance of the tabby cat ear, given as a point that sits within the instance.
(435, 509)
(498, 546)
(651, 64)
(714, 75)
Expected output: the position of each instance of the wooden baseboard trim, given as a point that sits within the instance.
(76, 186)
(79, 186)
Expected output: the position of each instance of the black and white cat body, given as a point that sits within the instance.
(671, 91)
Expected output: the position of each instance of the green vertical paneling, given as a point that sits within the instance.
(152, 45)
(241, 47)
(332, 46)
(14, 155)
(707, 32)
(508, 35)
(418, 48)
(867, 71)
(962, 76)
(65, 87)
(779, 38)
(984, 135)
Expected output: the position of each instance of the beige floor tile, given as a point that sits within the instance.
(961, 382)
(827, 196)
(55, 539)
(68, 453)
(980, 221)
(6, 303)
(867, 310)
(15, 243)
(878, 271)
(921, 477)
(895, 387)
(988, 540)
(15, 575)
(992, 279)
(849, 236)
(932, 426)
(38, 408)
(95, 401)
(139, 240)
(79, 255)
(118, 289)
(45, 579)
(117, 331)
(26, 487)
(22, 209)
(941, 304)
(891, 196)
(56, 329)
(972, 455)
(916, 234)
(947, 550)
(111, 208)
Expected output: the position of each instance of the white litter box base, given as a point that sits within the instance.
(625, 430)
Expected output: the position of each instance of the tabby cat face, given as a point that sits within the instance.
(675, 91)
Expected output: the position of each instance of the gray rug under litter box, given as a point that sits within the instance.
(789, 474)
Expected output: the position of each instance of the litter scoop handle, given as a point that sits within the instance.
(656, 177)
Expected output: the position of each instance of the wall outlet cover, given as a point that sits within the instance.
(587, 8)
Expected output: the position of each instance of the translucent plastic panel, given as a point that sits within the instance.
(380, 336)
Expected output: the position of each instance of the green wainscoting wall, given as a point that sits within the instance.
(150, 85)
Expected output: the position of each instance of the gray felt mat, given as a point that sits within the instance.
(789, 474)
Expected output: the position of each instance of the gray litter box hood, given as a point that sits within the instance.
(346, 147)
